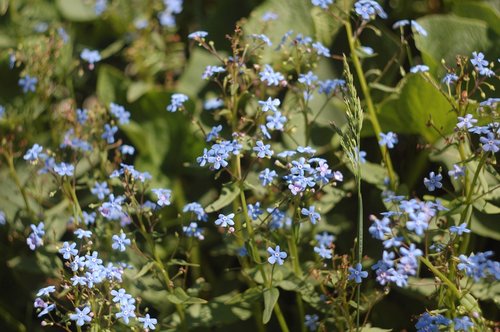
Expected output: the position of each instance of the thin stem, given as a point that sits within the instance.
(15, 177)
(369, 103)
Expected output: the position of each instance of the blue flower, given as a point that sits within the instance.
(148, 323)
(28, 83)
(311, 322)
(3, 219)
(308, 79)
(269, 104)
(462, 323)
(121, 297)
(379, 227)
(224, 221)
(120, 242)
(197, 209)
(268, 74)
(164, 196)
(325, 239)
(198, 35)
(269, 16)
(323, 252)
(389, 139)
(418, 222)
(33, 153)
(126, 312)
(127, 149)
(419, 69)
(368, 9)
(82, 115)
(478, 60)
(214, 133)
(100, 190)
(193, 231)
(68, 250)
(267, 176)
(211, 71)
(276, 121)
(263, 150)
(265, 39)
(46, 291)
(322, 3)
(120, 113)
(2, 111)
(449, 78)
(457, 171)
(109, 133)
(490, 143)
(35, 240)
(321, 49)
(254, 211)
(91, 56)
(356, 273)
(177, 102)
(82, 233)
(100, 6)
(81, 316)
(213, 103)
(277, 256)
(433, 181)
(460, 229)
(312, 214)
(64, 169)
(468, 121)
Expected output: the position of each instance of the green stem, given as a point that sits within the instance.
(298, 272)
(369, 103)
(467, 212)
(441, 276)
(360, 242)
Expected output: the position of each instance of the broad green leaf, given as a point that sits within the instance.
(329, 198)
(486, 207)
(218, 313)
(136, 90)
(76, 10)
(227, 196)
(4, 5)
(486, 225)
(478, 10)
(271, 296)
(111, 82)
(449, 36)
(190, 81)
(409, 111)
(250, 295)
(179, 296)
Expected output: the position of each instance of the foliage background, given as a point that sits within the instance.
(167, 145)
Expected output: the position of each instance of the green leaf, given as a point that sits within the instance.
(145, 269)
(228, 195)
(112, 49)
(249, 296)
(190, 81)
(179, 296)
(449, 36)
(76, 10)
(409, 111)
(486, 225)
(136, 90)
(270, 298)
(110, 83)
(478, 10)
(4, 5)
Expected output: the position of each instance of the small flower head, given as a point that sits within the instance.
(81, 316)
(28, 83)
(356, 273)
(164, 196)
(91, 56)
(389, 140)
(277, 256)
